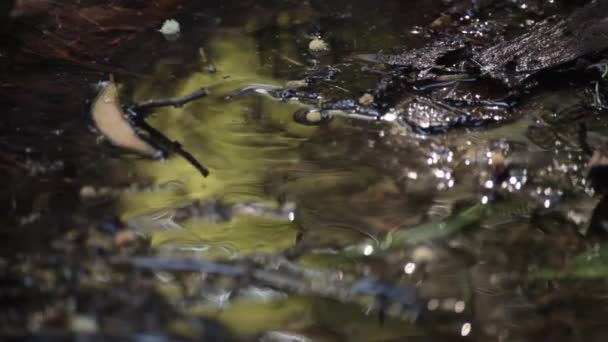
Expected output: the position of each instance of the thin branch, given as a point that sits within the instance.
(184, 265)
(174, 101)
(288, 59)
(159, 138)
(286, 276)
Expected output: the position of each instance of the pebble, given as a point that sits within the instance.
(366, 99)
(87, 192)
(318, 45)
(295, 84)
(83, 324)
(170, 29)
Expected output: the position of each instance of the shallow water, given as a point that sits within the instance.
(487, 226)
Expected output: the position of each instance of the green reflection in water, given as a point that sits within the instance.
(255, 153)
(590, 264)
(320, 319)
(240, 140)
(240, 235)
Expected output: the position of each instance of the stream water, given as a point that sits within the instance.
(488, 227)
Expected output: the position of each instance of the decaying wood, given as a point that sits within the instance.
(418, 59)
(549, 44)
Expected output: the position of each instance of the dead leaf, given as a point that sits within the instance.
(111, 121)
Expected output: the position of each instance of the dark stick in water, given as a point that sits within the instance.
(286, 276)
(174, 101)
(159, 138)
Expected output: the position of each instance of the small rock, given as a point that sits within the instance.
(170, 29)
(87, 192)
(423, 254)
(124, 238)
(366, 99)
(83, 324)
(295, 84)
(441, 23)
(311, 117)
(318, 45)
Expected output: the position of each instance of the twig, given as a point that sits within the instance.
(184, 265)
(285, 276)
(174, 101)
(336, 87)
(481, 66)
(173, 146)
(287, 58)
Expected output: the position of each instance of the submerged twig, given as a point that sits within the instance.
(173, 146)
(174, 101)
(441, 84)
(118, 124)
(184, 265)
(286, 276)
(336, 87)
(288, 59)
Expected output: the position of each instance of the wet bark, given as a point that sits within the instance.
(552, 43)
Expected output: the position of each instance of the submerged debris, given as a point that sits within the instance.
(296, 84)
(366, 99)
(553, 42)
(549, 44)
(442, 22)
(311, 117)
(215, 211)
(422, 58)
(318, 45)
(119, 127)
(170, 29)
(460, 81)
(284, 275)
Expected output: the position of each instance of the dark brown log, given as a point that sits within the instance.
(552, 43)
